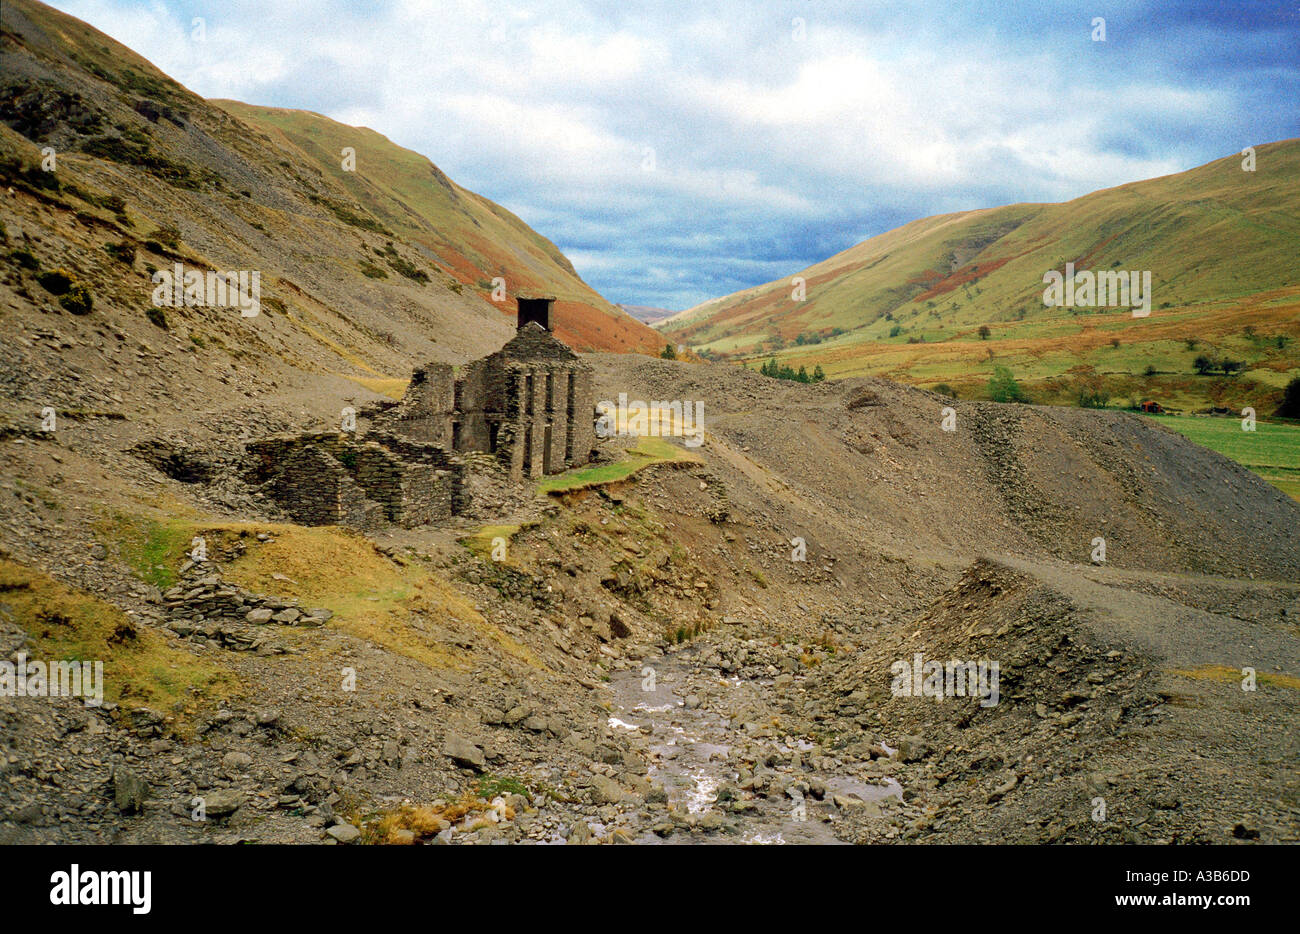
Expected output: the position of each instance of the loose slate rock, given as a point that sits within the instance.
(222, 803)
(129, 791)
(344, 833)
(464, 753)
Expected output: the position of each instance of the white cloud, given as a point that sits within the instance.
(549, 107)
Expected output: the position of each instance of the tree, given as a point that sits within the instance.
(1004, 388)
(1203, 364)
(669, 352)
(1290, 407)
(819, 375)
(984, 332)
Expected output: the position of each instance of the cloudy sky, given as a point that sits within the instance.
(677, 151)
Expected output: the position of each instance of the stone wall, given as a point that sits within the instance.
(333, 479)
(425, 410)
(315, 489)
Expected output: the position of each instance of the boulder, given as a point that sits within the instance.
(464, 753)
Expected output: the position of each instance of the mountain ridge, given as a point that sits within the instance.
(909, 303)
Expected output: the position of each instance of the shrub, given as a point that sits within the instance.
(1004, 388)
(79, 301)
(123, 252)
(169, 237)
(1290, 407)
(55, 281)
(28, 177)
(23, 257)
(405, 267)
(157, 317)
(133, 149)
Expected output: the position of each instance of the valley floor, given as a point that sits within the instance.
(702, 651)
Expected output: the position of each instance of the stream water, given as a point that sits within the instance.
(689, 756)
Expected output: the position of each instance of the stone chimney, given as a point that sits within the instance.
(535, 309)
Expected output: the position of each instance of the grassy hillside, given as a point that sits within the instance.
(363, 273)
(1219, 243)
(469, 238)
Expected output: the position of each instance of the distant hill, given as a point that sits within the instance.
(647, 314)
(1220, 244)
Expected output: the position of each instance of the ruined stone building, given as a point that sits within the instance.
(530, 407)
(531, 404)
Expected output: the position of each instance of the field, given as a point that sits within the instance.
(1272, 450)
(1130, 359)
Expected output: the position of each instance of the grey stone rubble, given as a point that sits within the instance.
(203, 607)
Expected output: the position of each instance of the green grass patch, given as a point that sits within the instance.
(480, 543)
(152, 548)
(395, 603)
(647, 451)
(489, 786)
